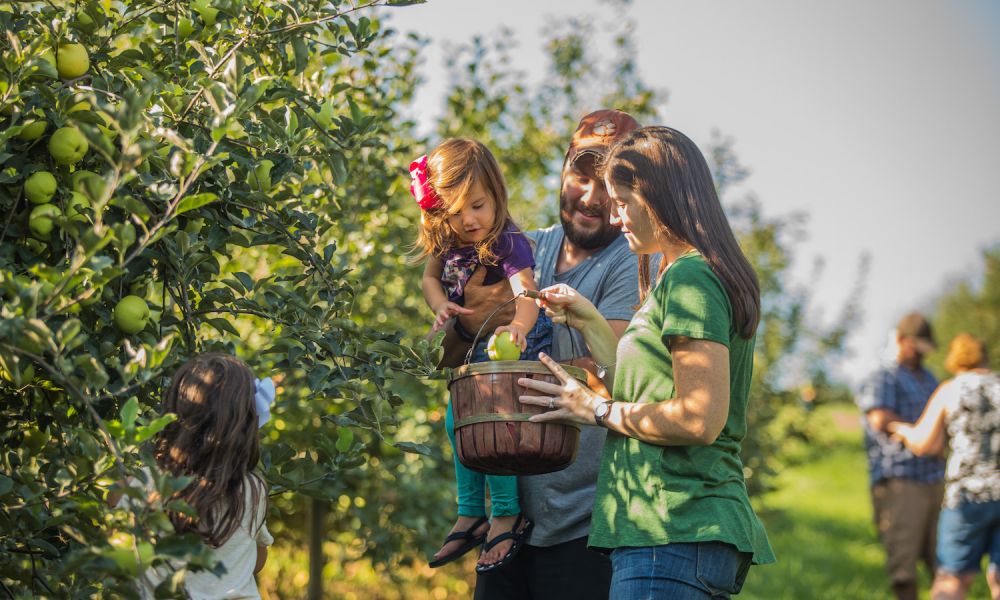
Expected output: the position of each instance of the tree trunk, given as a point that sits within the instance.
(317, 514)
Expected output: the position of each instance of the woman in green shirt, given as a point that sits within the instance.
(671, 503)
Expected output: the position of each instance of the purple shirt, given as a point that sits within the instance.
(513, 252)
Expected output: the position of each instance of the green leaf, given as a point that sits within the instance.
(129, 412)
(6, 484)
(147, 431)
(301, 54)
(345, 438)
(223, 326)
(245, 279)
(413, 448)
(195, 201)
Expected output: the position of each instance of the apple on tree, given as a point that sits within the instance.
(32, 130)
(260, 178)
(502, 347)
(131, 557)
(131, 314)
(42, 220)
(40, 187)
(72, 60)
(74, 207)
(68, 146)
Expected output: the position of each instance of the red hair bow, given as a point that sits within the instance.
(421, 189)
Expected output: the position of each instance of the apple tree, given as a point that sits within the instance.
(174, 178)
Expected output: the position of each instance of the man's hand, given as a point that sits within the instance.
(879, 419)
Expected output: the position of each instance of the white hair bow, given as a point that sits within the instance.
(264, 398)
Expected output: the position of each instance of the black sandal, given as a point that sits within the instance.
(472, 540)
(519, 537)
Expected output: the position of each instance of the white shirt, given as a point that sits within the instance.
(238, 555)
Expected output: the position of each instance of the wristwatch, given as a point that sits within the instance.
(601, 412)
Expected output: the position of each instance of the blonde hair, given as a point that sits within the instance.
(453, 167)
(964, 353)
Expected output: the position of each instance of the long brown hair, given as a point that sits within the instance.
(215, 441)
(668, 171)
(453, 167)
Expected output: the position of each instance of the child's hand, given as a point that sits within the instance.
(445, 311)
(516, 335)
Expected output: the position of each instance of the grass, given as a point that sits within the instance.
(819, 523)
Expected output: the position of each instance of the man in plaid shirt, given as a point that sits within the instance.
(906, 489)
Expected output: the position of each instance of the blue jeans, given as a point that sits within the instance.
(965, 534)
(680, 571)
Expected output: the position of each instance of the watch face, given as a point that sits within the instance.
(602, 410)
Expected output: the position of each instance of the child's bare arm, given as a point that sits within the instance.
(433, 291)
(526, 311)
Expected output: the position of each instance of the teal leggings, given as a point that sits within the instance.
(472, 485)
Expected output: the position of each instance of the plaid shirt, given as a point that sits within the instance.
(904, 392)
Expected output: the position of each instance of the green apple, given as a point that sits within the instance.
(42, 220)
(88, 183)
(85, 22)
(81, 105)
(67, 146)
(75, 206)
(131, 314)
(72, 60)
(131, 557)
(44, 65)
(260, 178)
(77, 179)
(32, 130)
(502, 347)
(40, 187)
(49, 57)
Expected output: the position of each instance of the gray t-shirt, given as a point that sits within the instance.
(560, 503)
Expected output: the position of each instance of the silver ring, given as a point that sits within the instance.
(552, 403)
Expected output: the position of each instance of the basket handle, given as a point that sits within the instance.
(528, 293)
(534, 295)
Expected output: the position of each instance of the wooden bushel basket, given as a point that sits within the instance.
(492, 431)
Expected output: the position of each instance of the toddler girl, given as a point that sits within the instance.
(465, 225)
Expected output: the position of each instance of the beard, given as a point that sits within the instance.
(592, 239)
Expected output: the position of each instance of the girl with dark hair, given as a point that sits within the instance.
(215, 441)
(671, 505)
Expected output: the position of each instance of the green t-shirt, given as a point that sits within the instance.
(649, 495)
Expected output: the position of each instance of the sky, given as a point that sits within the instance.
(878, 120)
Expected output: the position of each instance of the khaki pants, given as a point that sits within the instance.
(906, 514)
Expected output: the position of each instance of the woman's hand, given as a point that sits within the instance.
(573, 402)
(900, 432)
(564, 304)
(445, 311)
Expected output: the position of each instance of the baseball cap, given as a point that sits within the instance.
(598, 131)
(916, 326)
